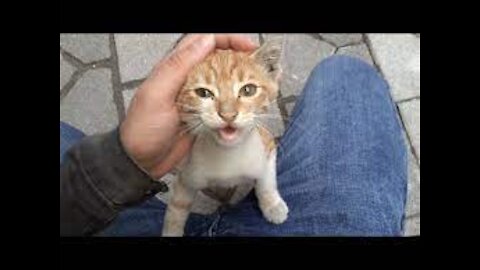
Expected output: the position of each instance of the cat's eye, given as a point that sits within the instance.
(248, 90)
(204, 93)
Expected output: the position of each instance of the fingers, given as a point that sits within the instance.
(170, 74)
(178, 152)
(224, 41)
(235, 42)
(187, 40)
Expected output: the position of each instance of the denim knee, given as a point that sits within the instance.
(333, 70)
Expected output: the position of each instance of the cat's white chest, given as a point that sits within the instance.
(212, 164)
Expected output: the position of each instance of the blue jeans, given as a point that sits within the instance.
(341, 167)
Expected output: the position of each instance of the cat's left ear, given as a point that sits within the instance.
(269, 55)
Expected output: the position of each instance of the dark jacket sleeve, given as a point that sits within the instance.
(97, 180)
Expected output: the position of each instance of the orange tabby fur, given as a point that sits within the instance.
(220, 104)
(222, 71)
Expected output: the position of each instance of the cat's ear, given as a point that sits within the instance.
(269, 55)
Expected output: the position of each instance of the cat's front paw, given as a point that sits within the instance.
(277, 213)
(172, 233)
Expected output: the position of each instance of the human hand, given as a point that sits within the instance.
(150, 133)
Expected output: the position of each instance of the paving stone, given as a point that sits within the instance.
(86, 47)
(413, 191)
(267, 36)
(289, 106)
(89, 105)
(410, 111)
(342, 39)
(273, 122)
(138, 53)
(301, 53)
(412, 226)
(359, 51)
(398, 56)
(127, 97)
(66, 71)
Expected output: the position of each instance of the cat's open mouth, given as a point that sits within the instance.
(228, 133)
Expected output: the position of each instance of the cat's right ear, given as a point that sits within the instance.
(269, 55)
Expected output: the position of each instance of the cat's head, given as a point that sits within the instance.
(226, 95)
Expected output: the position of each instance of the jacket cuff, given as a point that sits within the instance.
(114, 173)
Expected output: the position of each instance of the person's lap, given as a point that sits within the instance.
(341, 168)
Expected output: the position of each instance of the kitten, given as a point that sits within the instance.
(221, 103)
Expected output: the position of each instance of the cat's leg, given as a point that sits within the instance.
(178, 209)
(273, 207)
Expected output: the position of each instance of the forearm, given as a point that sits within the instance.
(97, 181)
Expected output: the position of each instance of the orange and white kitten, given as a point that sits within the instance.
(221, 103)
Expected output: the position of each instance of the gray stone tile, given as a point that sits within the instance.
(342, 39)
(410, 111)
(86, 47)
(412, 226)
(66, 71)
(398, 56)
(301, 53)
(359, 51)
(289, 106)
(274, 122)
(267, 36)
(138, 53)
(127, 97)
(89, 105)
(413, 191)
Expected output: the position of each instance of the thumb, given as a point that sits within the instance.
(180, 149)
(171, 73)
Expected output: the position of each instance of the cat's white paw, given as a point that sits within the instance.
(172, 233)
(276, 214)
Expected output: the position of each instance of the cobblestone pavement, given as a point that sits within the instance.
(99, 74)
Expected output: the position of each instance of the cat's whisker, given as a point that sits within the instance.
(278, 143)
(297, 124)
(270, 104)
(197, 129)
(210, 117)
(276, 116)
(268, 116)
(190, 117)
(191, 128)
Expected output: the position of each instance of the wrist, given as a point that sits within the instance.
(131, 150)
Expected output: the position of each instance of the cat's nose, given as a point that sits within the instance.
(228, 116)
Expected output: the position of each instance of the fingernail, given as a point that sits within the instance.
(205, 41)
